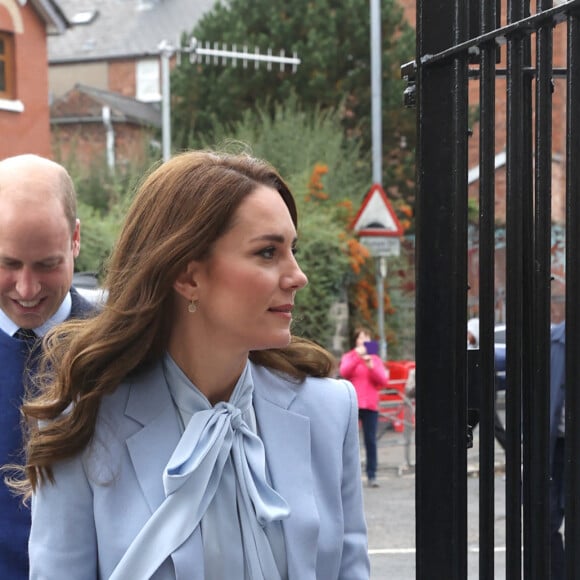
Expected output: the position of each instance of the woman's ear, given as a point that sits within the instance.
(186, 283)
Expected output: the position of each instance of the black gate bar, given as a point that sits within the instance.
(441, 299)
(536, 395)
(487, 94)
(572, 446)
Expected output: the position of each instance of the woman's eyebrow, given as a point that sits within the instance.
(272, 238)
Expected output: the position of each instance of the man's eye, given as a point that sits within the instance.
(49, 265)
(10, 265)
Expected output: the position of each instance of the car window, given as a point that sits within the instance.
(499, 335)
(87, 285)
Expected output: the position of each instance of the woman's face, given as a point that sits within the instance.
(362, 338)
(246, 287)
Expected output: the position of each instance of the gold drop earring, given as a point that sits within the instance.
(192, 307)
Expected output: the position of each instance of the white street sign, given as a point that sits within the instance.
(382, 245)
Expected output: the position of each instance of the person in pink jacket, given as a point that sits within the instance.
(368, 375)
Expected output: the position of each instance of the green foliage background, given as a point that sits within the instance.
(323, 257)
(103, 199)
(294, 139)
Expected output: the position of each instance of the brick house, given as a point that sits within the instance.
(91, 126)
(558, 175)
(112, 54)
(24, 112)
(558, 182)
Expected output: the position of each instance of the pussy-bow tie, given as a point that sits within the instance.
(191, 479)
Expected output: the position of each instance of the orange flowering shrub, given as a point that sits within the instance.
(358, 255)
(360, 278)
(315, 185)
(362, 287)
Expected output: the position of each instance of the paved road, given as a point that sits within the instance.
(390, 512)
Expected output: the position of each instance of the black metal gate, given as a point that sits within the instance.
(459, 41)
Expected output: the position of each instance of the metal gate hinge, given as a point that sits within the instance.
(409, 74)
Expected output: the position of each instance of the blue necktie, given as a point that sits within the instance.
(26, 334)
(216, 444)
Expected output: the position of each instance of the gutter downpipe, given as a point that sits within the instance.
(110, 147)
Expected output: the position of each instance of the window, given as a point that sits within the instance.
(7, 90)
(148, 87)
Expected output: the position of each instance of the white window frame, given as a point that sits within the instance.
(148, 80)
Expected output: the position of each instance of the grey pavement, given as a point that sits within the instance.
(390, 510)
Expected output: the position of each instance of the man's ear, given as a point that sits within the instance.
(76, 239)
(186, 283)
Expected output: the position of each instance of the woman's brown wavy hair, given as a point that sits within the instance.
(178, 213)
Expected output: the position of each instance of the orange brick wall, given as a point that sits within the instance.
(122, 77)
(6, 23)
(29, 131)
(84, 145)
(410, 10)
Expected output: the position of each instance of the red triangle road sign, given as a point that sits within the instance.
(376, 216)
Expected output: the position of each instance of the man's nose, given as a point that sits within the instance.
(27, 284)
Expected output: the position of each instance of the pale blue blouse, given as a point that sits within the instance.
(223, 528)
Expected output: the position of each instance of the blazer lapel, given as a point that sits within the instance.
(150, 448)
(290, 468)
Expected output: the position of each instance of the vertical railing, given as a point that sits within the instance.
(536, 403)
(441, 306)
(572, 447)
(487, 95)
(443, 52)
(515, 195)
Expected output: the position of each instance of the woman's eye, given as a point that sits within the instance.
(267, 253)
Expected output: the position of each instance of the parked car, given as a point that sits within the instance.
(87, 285)
(499, 356)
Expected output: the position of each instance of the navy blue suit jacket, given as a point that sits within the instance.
(557, 380)
(15, 361)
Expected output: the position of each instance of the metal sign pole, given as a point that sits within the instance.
(379, 229)
(377, 153)
(381, 274)
(376, 92)
(166, 52)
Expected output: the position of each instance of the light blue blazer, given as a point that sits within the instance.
(83, 523)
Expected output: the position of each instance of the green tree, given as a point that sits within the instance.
(323, 258)
(294, 140)
(103, 198)
(332, 39)
(98, 234)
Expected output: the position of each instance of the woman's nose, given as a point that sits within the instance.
(296, 278)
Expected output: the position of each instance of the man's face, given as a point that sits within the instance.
(37, 252)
